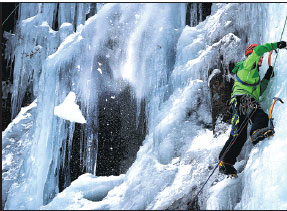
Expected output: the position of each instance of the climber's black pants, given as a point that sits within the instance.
(239, 121)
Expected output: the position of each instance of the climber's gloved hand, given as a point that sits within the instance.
(269, 73)
(281, 44)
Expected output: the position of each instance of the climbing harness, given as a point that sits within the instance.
(243, 125)
(10, 14)
(247, 103)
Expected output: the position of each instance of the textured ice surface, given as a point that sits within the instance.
(167, 63)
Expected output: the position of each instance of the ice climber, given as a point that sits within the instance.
(245, 98)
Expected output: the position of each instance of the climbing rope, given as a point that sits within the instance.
(10, 14)
(243, 125)
(280, 40)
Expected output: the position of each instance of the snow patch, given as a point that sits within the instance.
(69, 110)
(84, 191)
(214, 73)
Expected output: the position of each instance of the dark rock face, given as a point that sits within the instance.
(220, 92)
(201, 11)
(185, 203)
(6, 108)
(119, 136)
(7, 73)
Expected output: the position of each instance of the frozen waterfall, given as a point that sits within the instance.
(91, 49)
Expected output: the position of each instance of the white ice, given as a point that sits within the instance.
(16, 146)
(69, 110)
(170, 65)
(84, 191)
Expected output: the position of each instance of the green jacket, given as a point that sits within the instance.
(247, 72)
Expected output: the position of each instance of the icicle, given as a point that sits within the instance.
(200, 12)
(138, 112)
(67, 169)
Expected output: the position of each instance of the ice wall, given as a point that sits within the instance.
(89, 59)
(148, 47)
(29, 51)
(16, 146)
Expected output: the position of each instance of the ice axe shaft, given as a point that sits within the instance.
(275, 99)
(269, 58)
(270, 122)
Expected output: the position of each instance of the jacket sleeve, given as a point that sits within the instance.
(264, 82)
(263, 85)
(237, 66)
(261, 49)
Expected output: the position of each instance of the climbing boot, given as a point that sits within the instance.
(260, 134)
(228, 169)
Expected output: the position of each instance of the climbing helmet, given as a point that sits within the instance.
(250, 49)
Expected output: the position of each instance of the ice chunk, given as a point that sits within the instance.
(69, 110)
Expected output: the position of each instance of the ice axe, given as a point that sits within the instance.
(270, 123)
(269, 56)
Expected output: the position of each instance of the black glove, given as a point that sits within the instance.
(281, 44)
(269, 74)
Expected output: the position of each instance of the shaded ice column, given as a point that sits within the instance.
(27, 10)
(90, 81)
(70, 72)
(38, 182)
(195, 13)
(28, 50)
(28, 194)
(150, 51)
